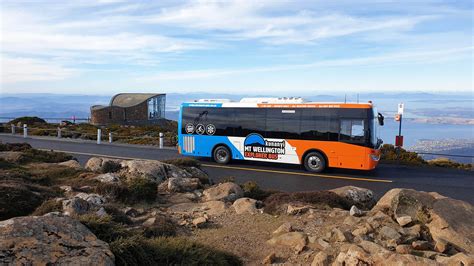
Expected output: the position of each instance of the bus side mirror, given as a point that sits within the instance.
(380, 117)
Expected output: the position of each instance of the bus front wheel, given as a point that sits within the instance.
(314, 162)
(222, 155)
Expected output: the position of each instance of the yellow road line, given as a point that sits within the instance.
(241, 168)
(298, 173)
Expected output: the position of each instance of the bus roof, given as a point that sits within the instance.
(285, 102)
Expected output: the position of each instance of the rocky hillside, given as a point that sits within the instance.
(143, 212)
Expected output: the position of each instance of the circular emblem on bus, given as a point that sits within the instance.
(200, 129)
(210, 129)
(189, 128)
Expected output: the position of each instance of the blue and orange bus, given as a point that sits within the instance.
(282, 130)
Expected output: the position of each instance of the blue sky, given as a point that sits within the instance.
(253, 47)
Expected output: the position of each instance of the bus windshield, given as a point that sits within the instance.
(374, 139)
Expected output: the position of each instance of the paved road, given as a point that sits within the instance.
(453, 183)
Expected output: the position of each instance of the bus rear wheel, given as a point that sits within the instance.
(222, 155)
(314, 162)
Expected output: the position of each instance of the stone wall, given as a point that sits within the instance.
(137, 114)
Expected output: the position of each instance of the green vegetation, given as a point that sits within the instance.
(318, 199)
(167, 251)
(145, 135)
(29, 120)
(447, 163)
(150, 246)
(51, 205)
(389, 154)
(252, 190)
(133, 191)
(184, 162)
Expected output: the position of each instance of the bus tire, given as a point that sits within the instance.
(222, 155)
(314, 162)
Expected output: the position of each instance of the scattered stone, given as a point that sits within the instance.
(320, 259)
(71, 163)
(312, 239)
(199, 222)
(245, 205)
(322, 243)
(339, 236)
(284, 228)
(108, 178)
(293, 210)
(421, 245)
(183, 184)
(354, 211)
(441, 245)
(295, 240)
(387, 233)
(66, 189)
(129, 211)
(226, 192)
(404, 220)
(458, 259)
(360, 197)
(270, 259)
(94, 199)
(149, 222)
(153, 170)
(403, 249)
(101, 212)
(75, 206)
(212, 208)
(50, 240)
(100, 164)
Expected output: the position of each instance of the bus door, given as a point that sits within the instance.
(352, 135)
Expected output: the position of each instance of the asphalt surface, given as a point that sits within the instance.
(453, 183)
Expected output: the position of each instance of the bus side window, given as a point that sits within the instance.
(352, 130)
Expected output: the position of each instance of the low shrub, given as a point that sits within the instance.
(29, 120)
(14, 146)
(276, 202)
(168, 251)
(184, 162)
(17, 199)
(389, 153)
(118, 192)
(447, 163)
(227, 179)
(110, 166)
(34, 155)
(104, 227)
(162, 227)
(6, 165)
(142, 189)
(51, 174)
(252, 190)
(117, 215)
(51, 205)
(133, 191)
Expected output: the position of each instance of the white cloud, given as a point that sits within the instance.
(27, 69)
(388, 59)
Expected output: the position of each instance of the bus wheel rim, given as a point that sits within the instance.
(314, 162)
(221, 155)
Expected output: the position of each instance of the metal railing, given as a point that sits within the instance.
(4, 119)
(110, 137)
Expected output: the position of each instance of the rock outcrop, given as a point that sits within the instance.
(48, 240)
(226, 191)
(360, 197)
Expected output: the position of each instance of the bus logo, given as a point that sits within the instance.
(210, 129)
(200, 129)
(189, 128)
(255, 146)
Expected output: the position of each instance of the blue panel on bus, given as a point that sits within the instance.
(202, 146)
(201, 105)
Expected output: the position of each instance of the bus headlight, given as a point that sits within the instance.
(374, 157)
